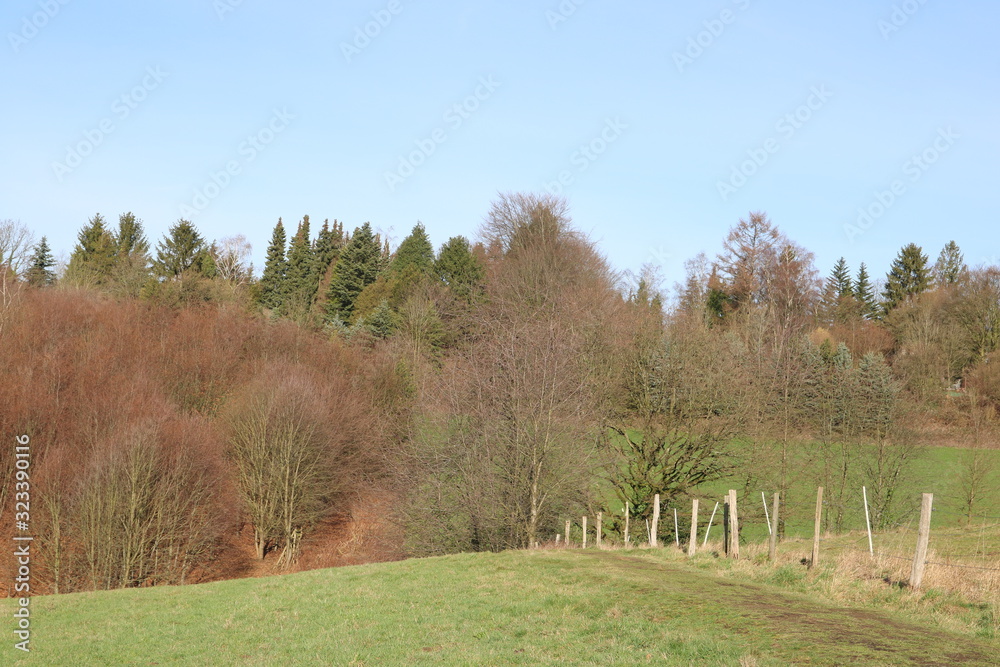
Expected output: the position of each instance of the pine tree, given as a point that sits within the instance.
(131, 238)
(272, 281)
(131, 256)
(950, 266)
(328, 244)
(299, 286)
(841, 278)
(908, 277)
(40, 273)
(459, 268)
(864, 292)
(357, 267)
(93, 258)
(181, 249)
(838, 304)
(414, 252)
(382, 321)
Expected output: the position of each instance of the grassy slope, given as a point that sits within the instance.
(543, 607)
(935, 470)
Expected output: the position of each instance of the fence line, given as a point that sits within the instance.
(732, 526)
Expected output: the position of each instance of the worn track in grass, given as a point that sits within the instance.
(527, 608)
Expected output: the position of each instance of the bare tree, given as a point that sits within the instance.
(290, 464)
(524, 400)
(232, 255)
(15, 248)
(15, 245)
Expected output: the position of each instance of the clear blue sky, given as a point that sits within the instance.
(162, 95)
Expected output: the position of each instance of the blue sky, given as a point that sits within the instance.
(667, 122)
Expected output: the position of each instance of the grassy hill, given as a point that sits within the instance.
(528, 608)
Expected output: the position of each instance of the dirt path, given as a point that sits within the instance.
(795, 627)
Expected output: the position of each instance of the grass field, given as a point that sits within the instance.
(934, 470)
(560, 606)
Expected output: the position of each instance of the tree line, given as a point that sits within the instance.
(492, 387)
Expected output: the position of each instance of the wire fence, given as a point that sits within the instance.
(889, 538)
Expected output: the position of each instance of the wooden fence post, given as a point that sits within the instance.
(819, 515)
(567, 532)
(766, 516)
(584, 532)
(626, 523)
(868, 522)
(923, 536)
(600, 523)
(693, 540)
(677, 531)
(557, 538)
(734, 527)
(656, 521)
(726, 525)
(772, 547)
(708, 528)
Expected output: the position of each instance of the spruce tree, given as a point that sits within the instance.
(131, 255)
(950, 266)
(864, 292)
(382, 321)
(415, 252)
(841, 278)
(272, 281)
(908, 277)
(459, 268)
(837, 298)
(40, 273)
(328, 244)
(181, 249)
(357, 267)
(131, 237)
(93, 258)
(299, 285)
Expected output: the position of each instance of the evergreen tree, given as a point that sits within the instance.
(459, 268)
(328, 244)
(414, 252)
(40, 273)
(272, 282)
(131, 256)
(131, 237)
(864, 292)
(93, 258)
(181, 249)
(382, 321)
(841, 278)
(299, 286)
(950, 266)
(908, 277)
(837, 303)
(357, 267)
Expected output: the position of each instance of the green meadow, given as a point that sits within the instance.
(559, 606)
